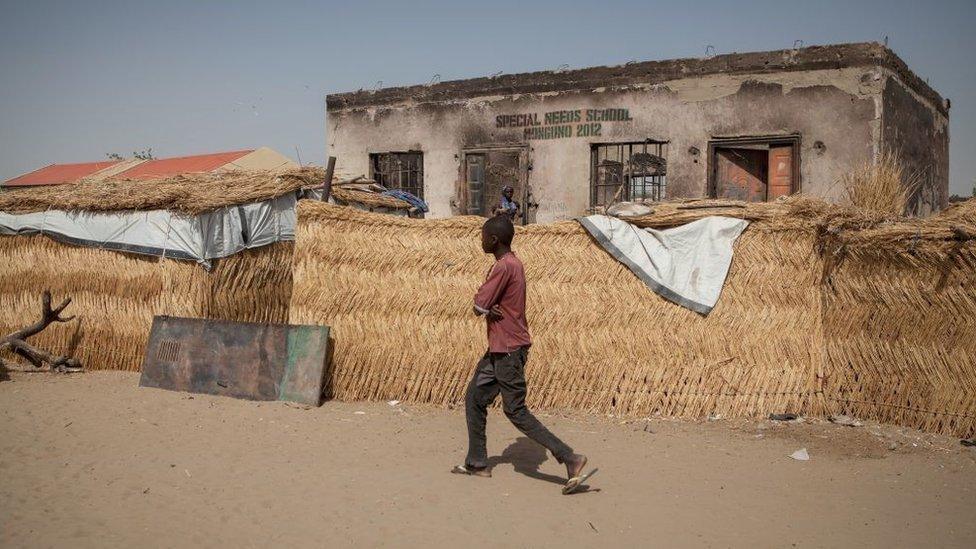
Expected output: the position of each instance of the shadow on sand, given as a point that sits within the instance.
(526, 457)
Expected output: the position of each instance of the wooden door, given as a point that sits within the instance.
(740, 174)
(780, 171)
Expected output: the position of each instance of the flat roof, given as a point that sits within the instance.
(835, 56)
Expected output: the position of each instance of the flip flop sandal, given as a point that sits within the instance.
(574, 484)
(471, 471)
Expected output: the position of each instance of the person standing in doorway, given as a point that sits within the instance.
(501, 300)
(507, 205)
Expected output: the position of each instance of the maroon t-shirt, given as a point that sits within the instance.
(505, 287)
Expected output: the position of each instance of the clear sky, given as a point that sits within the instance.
(81, 79)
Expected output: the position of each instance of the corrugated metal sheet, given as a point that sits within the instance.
(57, 174)
(167, 167)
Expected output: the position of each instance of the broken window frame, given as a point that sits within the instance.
(641, 183)
(403, 170)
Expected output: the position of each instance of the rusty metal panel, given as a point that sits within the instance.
(237, 359)
(740, 174)
(780, 171)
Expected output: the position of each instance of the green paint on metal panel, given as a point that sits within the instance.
(305, 345)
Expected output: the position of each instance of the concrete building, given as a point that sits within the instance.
(753, 126)
(262, 158)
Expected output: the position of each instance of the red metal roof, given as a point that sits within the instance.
(166, 167)
(57, 174)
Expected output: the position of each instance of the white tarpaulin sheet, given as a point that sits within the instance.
(203, 237)
(686, 265)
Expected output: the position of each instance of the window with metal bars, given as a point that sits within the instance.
(628, 171)
(399, 170)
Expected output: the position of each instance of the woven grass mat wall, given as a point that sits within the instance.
(900, 334)
(115, 295)
(398, 293)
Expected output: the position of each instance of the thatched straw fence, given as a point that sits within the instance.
(115, 295)
(826, 309)
(397, 294)
(900, 322)
(815, 317)
(191, 193)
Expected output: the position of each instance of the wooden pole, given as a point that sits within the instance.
(327, 187)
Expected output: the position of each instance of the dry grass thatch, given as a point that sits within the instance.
(883, 186)
(397, 294)
(900, 336)
(837, 227)
(811, 320)
(795, 213)
(116, 295)
(192, 193)
(343, 195)
(826, 309)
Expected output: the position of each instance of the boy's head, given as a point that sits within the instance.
(508, 192)
(497, 231)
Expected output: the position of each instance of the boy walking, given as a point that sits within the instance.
(501, 299)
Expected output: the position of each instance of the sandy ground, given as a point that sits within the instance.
(92, 460)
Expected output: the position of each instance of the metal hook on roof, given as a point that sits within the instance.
(434, 79)
(709, 55)
(797, 44)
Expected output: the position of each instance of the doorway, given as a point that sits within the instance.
(486, 171)
(754, 169)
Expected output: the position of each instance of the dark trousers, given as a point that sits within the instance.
(503, 373)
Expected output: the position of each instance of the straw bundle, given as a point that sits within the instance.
(794, 213)
(881, 185)
(397, 293)
(116, 295)
(959, 211)
(343, 195)
(192, 193)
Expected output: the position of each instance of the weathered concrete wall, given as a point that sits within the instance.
(918, 133)
(835, 112)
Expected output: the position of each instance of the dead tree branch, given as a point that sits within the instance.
(17, 343)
